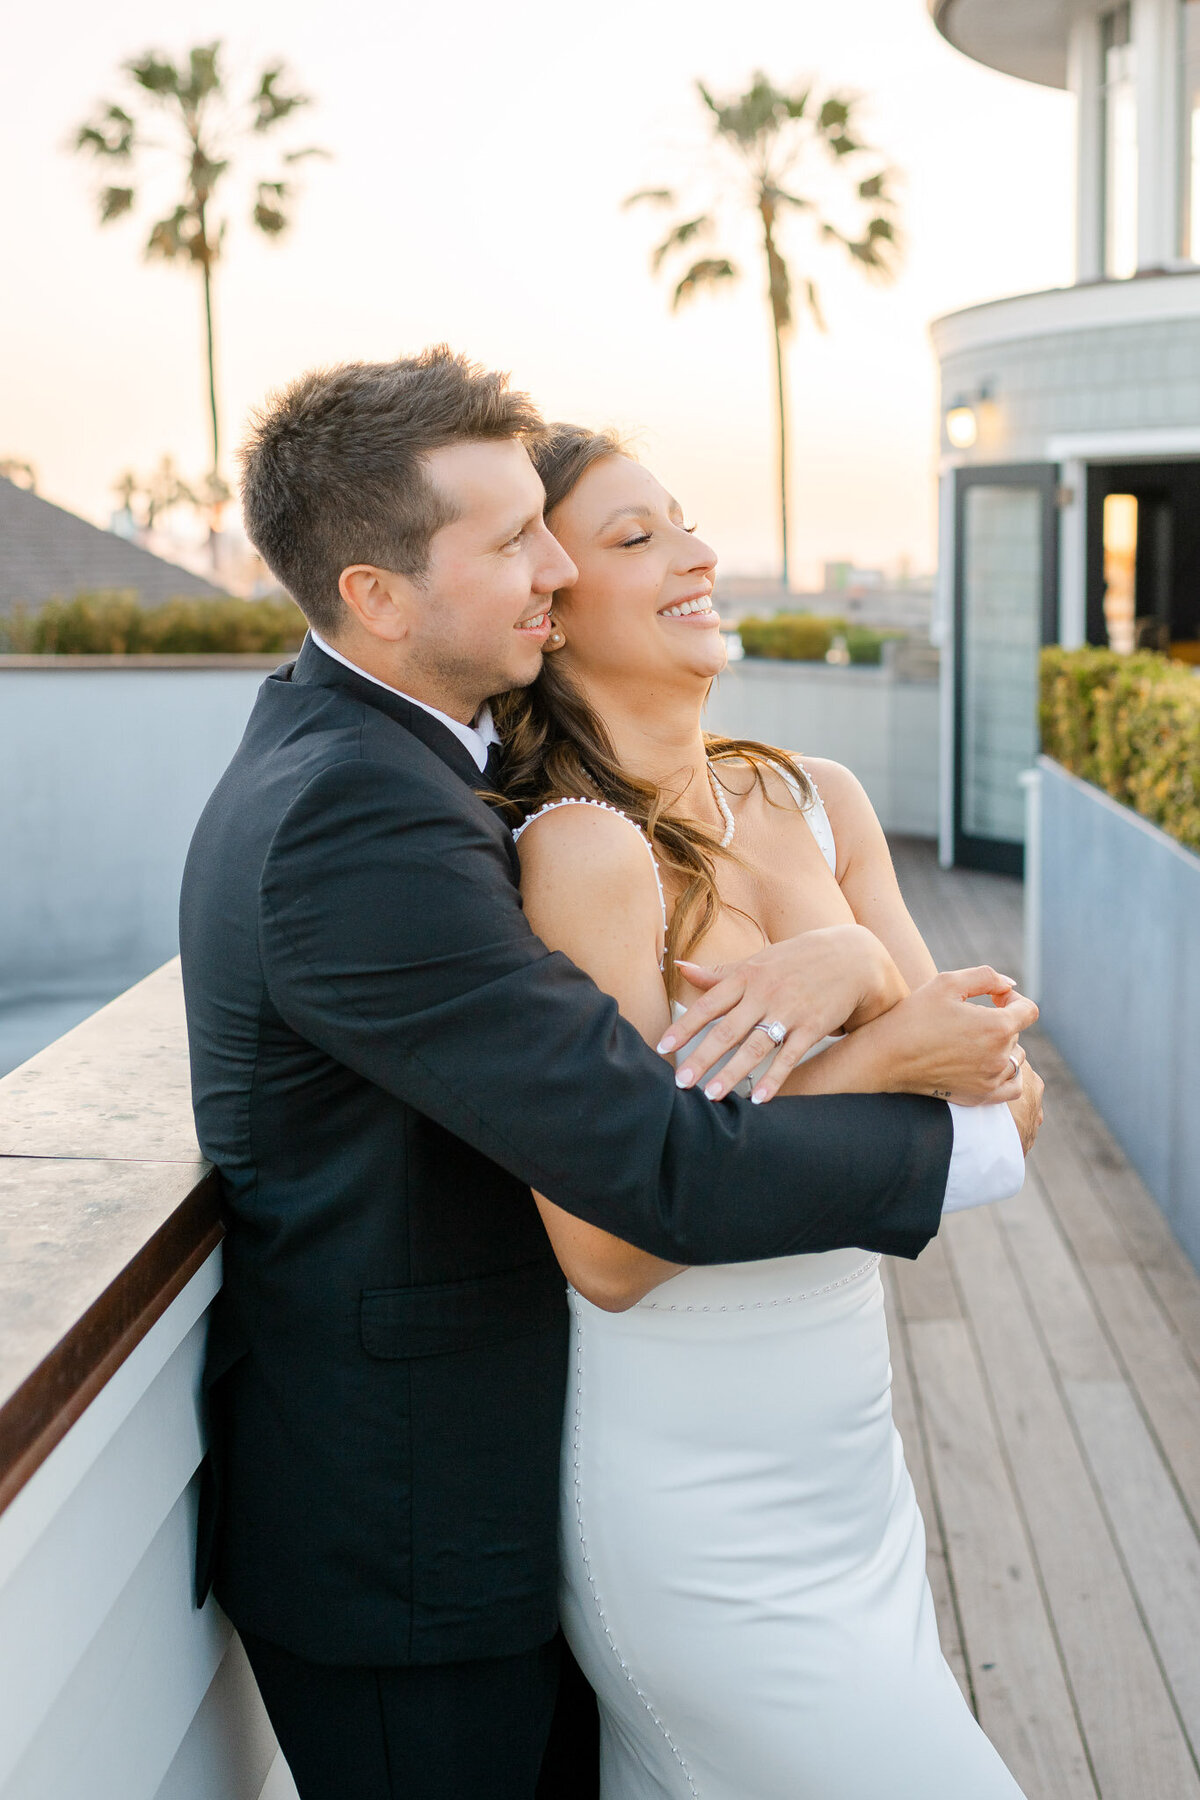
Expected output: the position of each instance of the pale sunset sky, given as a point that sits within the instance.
(481, 154)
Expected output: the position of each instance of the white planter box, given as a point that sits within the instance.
(1115, 913)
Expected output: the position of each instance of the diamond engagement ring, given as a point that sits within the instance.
(776, 1030)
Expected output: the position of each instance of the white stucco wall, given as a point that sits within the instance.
(1108, 359)
(882, 727)
(103, 774)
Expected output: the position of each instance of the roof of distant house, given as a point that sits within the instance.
(48, 553)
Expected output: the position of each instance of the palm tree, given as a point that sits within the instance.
(770, 131)
(205, 125)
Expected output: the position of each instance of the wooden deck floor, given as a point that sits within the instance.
(1046, 1359)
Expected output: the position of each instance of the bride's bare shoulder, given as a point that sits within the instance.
(578, 843)
(590, 887)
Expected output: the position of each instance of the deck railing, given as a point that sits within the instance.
(113, 1685)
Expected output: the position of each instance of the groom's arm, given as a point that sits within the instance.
(392, 937)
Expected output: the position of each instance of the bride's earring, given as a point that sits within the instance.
(557, 639)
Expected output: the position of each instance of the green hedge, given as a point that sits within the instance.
(807, 637)
(1130, 725)
(115, 624)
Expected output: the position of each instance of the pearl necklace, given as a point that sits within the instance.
(722, 806)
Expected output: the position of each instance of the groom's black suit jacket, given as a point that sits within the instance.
(384, 1060)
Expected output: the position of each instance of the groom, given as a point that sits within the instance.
(385, 1060)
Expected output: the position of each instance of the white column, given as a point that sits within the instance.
(1072, 556)
(944, 638)
(1083, 79)
(1156, 35)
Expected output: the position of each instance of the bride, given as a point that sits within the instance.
(743, 1557)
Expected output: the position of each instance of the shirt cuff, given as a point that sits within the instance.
(987, 1162)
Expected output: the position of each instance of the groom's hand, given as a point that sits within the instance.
(815, 984)
(1027, 1111)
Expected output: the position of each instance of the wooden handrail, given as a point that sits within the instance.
(107, 1210)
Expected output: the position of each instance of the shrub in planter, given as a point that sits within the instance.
(807, 637)
(115, 624)
(789, 637)
(865, 644)
(1130, 725)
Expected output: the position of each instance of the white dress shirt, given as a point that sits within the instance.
(987, 1162)
(476, 737)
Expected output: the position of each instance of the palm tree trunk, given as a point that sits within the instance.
(781, 399)
(206, 271)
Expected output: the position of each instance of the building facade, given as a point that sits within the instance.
(1070, 419)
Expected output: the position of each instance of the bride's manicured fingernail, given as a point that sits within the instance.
(713, 1091)
(668, 1043)
(684, 1078)
(758, 1096)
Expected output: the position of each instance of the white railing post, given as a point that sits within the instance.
(1031, 781)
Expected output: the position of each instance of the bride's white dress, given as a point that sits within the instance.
(743, 1559)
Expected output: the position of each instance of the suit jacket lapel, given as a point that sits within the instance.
(312, 668)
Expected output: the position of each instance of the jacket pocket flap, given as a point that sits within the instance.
(461, 1315)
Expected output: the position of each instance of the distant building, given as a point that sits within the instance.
(48, 553)
(1070, 492)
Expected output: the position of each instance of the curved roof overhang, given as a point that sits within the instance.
(1027, 38)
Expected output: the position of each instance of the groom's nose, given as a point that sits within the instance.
(556, 570)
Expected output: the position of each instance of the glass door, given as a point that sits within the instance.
(1006, 608)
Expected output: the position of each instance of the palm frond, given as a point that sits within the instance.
(112, 135)
(710, 272)
(835, 112)
(157, 74)
(271, 106)
(114, 201)
(204, 174)
(781, 197)
(167, 239)
(814, 305)
(683, 233)
(268, 213)
(877, 251)
(204, 74)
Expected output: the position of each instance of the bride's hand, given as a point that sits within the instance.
(817, 983)
(935, 1042)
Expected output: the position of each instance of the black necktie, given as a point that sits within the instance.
(491, 768)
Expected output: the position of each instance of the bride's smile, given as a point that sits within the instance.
(641, 609)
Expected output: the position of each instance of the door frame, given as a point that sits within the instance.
(998, 856)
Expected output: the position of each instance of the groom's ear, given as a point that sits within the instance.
(379, 600)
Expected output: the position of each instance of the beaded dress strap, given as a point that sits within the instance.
(814, 812)
(603, 805)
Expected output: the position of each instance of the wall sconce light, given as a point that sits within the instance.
(962, 427)
(962, 418)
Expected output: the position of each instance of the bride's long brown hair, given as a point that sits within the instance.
(556, 747)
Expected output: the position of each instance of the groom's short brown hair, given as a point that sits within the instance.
(334, 473)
